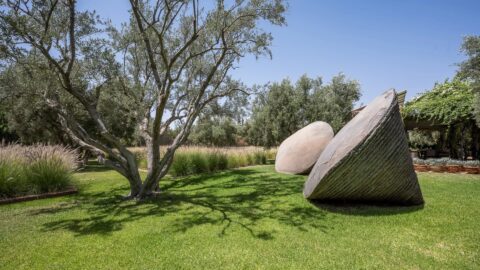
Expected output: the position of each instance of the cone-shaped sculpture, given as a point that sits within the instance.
(368, 160)
(298, 153)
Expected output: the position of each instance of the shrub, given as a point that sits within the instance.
(212, 161)
(35, 169)
(471, 163)
(250, 159)
(198, 163)
(260, 157)
(442, 161)
(242, 160)
(12, 179)
(233, 161)
(454, 162)
(222, 161)
(193, 160)
(180, 165)
(271, 153)
(419, 161)
(430, 162)
(46, 175)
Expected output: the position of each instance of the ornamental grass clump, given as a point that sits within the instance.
(180, 165)
(198, 162)
(195, 160)
(35, 169)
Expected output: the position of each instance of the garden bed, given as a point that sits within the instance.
(35, 171)
(32, 197)
(445, 165)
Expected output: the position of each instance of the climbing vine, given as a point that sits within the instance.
(447, 103)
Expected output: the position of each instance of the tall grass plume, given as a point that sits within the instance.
(35, 169)
(197, 159)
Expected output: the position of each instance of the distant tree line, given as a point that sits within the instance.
(283, 108)
(273, 113)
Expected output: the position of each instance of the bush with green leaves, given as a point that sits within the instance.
(180, 165)
(35, 169)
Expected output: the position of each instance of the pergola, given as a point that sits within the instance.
(432, 125)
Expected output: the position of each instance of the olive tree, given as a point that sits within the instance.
(177, 56)
(283, 108)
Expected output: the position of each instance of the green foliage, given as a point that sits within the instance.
(35, 169)
(333, 103)
(47, 175)
(27, 113)
(454, 162)
(214, 131)
(140, 158)
(180, 165)
(5, 132)
(13, 180)
(199, 160)
(447, 103)
(471, 163)
(470, 69)
(101, 85)
(260, 157)
(422, 139)
(222, 161)
(275, 115)
(283, 108)
(271, 153)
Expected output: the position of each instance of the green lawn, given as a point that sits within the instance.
(241, 219)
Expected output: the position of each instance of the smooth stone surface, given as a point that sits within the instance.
(368, 160)
(298, 153)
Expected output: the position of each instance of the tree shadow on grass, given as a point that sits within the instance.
(94, 168)
(365, 208)
(246, 199)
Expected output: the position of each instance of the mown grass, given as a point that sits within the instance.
(250, 218)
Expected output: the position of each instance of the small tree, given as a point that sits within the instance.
(470, 69)
(177, 56)
(333, 103)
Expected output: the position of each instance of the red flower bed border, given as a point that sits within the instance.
(38, 196)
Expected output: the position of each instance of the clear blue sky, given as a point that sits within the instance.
(406, 45)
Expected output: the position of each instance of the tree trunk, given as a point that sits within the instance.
(157, 172)
(475, 141)
(135, 187)
(149, 149)
(452, 141)
(463, 151)
(128, 169)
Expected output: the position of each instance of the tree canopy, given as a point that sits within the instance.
(163, 68)
(283, 108)
(470, 69)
